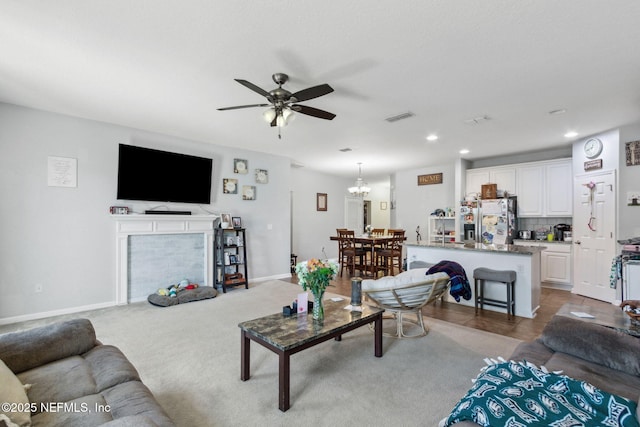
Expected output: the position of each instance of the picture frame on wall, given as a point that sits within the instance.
(632, 153)
(321, 202)
(262, 176)
(229, 186)
(240, 166)
(248, 192)
(236, 221)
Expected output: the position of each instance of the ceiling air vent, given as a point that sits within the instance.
(477, 120)
(345, 150)
(400, 117)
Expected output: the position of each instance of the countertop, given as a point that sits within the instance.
(480, 247)
(544, 242)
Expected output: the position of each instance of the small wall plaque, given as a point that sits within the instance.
(593, 164)
(432, 178)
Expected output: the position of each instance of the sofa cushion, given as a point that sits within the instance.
(12, 393)
(610, 380)
(133, 398)
(28, 349)
(594, 343)
(59, 381)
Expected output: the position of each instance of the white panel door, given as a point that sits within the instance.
(594, 225)
(353, 214)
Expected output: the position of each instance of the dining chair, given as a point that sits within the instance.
(348, 252)
(391, 255)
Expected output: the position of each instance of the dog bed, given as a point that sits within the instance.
(184, 296)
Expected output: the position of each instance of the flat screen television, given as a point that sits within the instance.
(152, 175)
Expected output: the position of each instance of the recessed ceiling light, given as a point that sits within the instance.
(558, 111)
(432, 137)
(464, 151)
(570, 134)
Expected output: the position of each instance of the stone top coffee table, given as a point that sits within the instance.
(287, 335)
(610, 316)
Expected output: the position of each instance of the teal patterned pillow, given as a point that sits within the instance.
(516, 394)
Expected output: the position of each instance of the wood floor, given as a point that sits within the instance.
(520, 327)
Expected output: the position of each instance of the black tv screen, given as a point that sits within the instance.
(160, 176)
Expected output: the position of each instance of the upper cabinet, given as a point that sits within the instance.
(544, 189)
(559, 189)
(531, 191)
(505, 177)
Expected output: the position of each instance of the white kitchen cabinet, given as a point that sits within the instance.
(475, 179)
(556, 264)
(531, 191)
(555, 261)
(504, 177)
(559, 189)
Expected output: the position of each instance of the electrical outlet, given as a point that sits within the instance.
(38, 288)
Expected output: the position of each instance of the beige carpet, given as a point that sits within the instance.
(189, 356)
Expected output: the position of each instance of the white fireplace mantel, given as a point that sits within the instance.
(127, 225)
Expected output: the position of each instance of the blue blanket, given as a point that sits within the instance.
(459, 283)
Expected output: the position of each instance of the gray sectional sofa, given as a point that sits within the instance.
(606, 358)
(75, 380)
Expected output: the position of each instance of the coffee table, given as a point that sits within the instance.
(287, 335)
(610, 316)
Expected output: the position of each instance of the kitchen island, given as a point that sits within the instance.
(524, 260)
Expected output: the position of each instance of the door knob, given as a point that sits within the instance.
(578, 242)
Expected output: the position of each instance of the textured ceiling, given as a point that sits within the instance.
(166, 66)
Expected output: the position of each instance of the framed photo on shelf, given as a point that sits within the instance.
(321, 201)
(236, 221)
(225, 220)
(233, 259)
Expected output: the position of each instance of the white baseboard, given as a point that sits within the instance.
(71, 310)
(42, 315)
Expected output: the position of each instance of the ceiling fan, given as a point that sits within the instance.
(283, 103)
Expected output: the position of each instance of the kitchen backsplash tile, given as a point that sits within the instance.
(536, 223)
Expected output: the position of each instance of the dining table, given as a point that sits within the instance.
(370, 243)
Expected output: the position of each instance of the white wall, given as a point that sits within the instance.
(63, 238)
(312, 228)
(414, 203)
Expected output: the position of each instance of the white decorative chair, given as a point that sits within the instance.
(406, 293)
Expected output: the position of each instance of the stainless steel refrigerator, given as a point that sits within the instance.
(497, 221)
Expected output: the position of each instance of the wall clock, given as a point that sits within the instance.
(592, 148)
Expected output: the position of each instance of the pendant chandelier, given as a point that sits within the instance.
(361, 188)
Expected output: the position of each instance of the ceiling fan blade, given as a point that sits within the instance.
(274, 122)
(314, 112)
(312, 92)
(242, 106)
(253, 87)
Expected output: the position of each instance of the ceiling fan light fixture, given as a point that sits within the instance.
(269, 115)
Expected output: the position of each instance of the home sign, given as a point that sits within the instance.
(432, 178)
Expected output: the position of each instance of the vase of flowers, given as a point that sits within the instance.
(314, 275)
